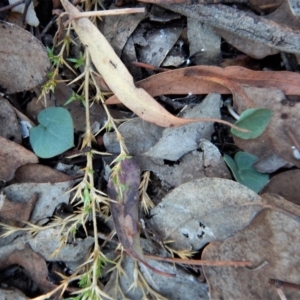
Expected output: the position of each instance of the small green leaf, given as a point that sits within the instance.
(53, 58)
(77, 61)
(245, 160)
(54, 135)
(233, 167)
(75, 97)
(244, 173)
(254, 119)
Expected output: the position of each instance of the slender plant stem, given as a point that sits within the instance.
(197, 262)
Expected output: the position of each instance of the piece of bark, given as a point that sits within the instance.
(244, 24)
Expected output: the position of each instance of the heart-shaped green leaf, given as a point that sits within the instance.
(54, 135)
(254, 119)
(244, 173)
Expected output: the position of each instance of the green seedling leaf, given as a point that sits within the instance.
(54, 135)
(77, 61)
(244, 173)
(255, 120)
(233, 167)
(53, 58)
(75, 97)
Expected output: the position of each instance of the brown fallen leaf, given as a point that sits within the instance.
(19, 47)
(38, 173)
(118, 78)
(166, 83)
(9, 125)
(125, 211)
(270, 242)
(13, 156)
(34, 266)
(16, 213)
(265, 95)
(286, 185)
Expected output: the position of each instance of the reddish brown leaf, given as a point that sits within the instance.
(282, 132)
(285, 184)
(16, 212)
(13, 156)
(9, 125)
(167, 82)
(38, 173)
(125, 212)
(34, 264)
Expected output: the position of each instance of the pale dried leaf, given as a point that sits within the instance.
(117, 76)
(48, 244)
(194, 165)
(270, 163)
(159, 42)
(204, 210)
(50, 195)
(204, 43)
(143, 138)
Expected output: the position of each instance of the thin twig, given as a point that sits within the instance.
(197, 262)
(284, 284)
(111, 12)
(102, 13)
(7, 7)
(52, 21)
(149, 67)
(281, 294)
